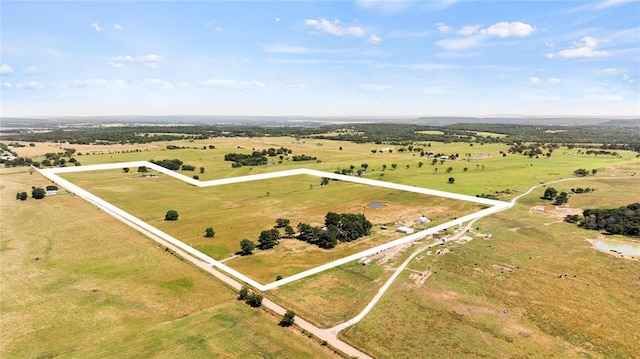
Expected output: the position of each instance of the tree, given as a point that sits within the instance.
(246, 247)
(374, 151)
(282, 222)
(393, 165)
(22, 196)
(142, 169)
(451, 180)
(243, 293)
(580, 172)
(384, 167)
(38, 193)
(449, 169)
(268, 239)
(254, 300)
(562, 198)
(594, 171)
(125, 170)
(332, 219)
(52, 187)
(420, 164)
(364, 166)
(289, 231)
(550, 193)
(209, 232)
(201, 170)
(287, 319)
(172, 215)
(324, 181)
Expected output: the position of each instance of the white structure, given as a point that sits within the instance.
(404, 230)
(421, 220)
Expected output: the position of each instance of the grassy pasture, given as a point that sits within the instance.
(469, 307)
(79, 283)
(514, 172)
(242, 210)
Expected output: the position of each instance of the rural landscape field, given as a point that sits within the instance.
(386, 179)
(522, 282)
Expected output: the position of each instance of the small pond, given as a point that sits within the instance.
(622, 247)
(375, 205)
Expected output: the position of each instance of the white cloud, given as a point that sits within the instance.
(555, 80)
(155, 84)
(150, 61)
(96, 27)
(30, 70)
(218, 28)
(7, 85)
(473, 35)
(289, 49)
(374, 39)
(460, 43)
(29, 85)
(534, 80)
(5, 70)
(611, 3)
(232, 84)
(295, 86)
(468, 30)
(98, 83)
(443, 28)
(508, 29)
(183, 85)
(376, 87)
(117, 26)
(610, 71)
(550, 55)
(586, 47)
(335, 28)
(277, 19)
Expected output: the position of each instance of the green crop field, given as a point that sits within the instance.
(79, 283)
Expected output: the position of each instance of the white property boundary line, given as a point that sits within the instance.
(52, 174)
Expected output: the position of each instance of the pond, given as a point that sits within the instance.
(622, 247)
(375, 205)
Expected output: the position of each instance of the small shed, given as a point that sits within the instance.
(421, 220)
(404, 230)
(51, 192)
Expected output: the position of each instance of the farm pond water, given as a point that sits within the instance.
(622, 247)
(375, 205)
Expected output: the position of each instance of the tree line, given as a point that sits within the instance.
(623, 220)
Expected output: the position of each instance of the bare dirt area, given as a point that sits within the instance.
(559, 213)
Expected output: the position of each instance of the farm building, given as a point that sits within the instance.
(404, 230)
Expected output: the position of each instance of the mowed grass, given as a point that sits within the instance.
(243, 210)
(561, 299)
(76, 282)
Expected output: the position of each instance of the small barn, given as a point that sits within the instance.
(404, 230)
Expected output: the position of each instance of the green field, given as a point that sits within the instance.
(78, 283)
(243, 210)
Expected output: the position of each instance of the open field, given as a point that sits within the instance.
(242, 210)
(506, 296)
(459, 311)
(513, 172)
(78, 283)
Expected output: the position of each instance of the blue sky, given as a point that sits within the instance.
(328, 58)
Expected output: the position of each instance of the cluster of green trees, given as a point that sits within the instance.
(582, 190)
(344, 227)
(36, 193)
(581, 172)
(240, 159)
(174, 165)
(624, 220)
(249, 297)
(551, 194)
(303, 158)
